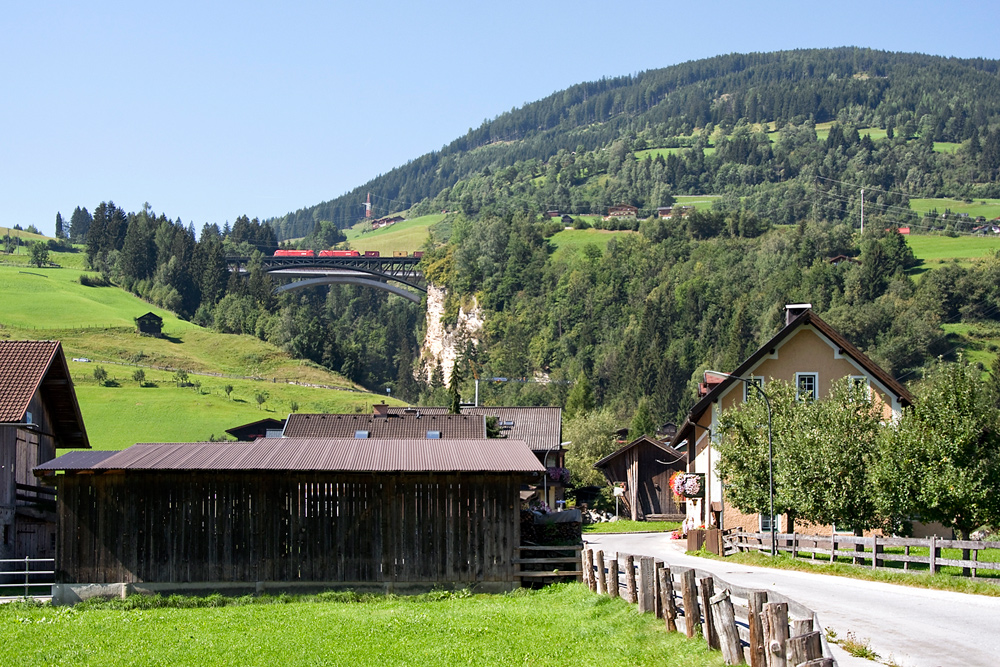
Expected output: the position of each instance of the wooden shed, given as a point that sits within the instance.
(292, 513)
(150, 324)
(644, 466)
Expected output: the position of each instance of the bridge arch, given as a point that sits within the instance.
(351, 280)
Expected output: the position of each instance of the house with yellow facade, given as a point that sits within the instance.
(808, 353)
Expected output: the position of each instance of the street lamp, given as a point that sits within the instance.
(770, 450)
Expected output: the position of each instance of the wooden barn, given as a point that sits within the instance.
(38, 413)
(291, 513)
(644, 467)
(150, 324)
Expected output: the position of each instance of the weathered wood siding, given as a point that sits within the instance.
(247, 527)
(647, 481)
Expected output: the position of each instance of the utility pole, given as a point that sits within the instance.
(862, 210)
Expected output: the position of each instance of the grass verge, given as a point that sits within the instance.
(941, 582)
(628, 526)
(558, 625)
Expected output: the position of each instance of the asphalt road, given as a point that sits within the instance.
(909, 627)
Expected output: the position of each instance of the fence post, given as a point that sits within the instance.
(933, 555)
(602, 581)
(725, 628)
(874, 555)
(833, 545)
(795, 546)
(689, 588)
(804, 648)
(645, 585)
(630, 579)
(775, 622)
(667, 599)
(707, 586)
(800, 627)
(975, 558)
(613, 576)
(657, 598)
(906, 552)
(26, 566)
(756, 602)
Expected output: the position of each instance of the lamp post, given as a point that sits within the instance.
(770, 450)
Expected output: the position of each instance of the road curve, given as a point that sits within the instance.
(909, 627)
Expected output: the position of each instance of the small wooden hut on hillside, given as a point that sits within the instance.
(291, 513)
(150, 324)
(644, 466)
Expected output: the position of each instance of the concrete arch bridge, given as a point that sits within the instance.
(396, 275)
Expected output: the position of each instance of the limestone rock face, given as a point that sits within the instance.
(443, 344)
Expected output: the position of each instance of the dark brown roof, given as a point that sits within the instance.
(31, 366)
(668, 451)
(396, 426)
(540, 427)
(257, 428)
(808, 317)
(315, 454)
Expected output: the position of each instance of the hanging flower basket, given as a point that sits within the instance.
(688, 484)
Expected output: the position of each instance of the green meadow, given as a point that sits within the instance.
(988, 208)
(573, 240)
(559, 625)
(406, 236)
(97, 323)
(935, 251)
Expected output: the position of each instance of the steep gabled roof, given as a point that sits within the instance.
(645, 439)
(31, 366)
(808, 317)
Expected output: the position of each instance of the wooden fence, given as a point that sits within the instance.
(762, 628)
(872, 550)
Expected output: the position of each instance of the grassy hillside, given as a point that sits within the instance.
(937, 250)
(406, 236)
(96, 323)
(989, 208)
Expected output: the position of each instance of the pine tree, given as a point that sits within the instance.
(60, 233)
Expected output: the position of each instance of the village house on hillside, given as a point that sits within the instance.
(38, 414)
(150, 324)
(808, 353)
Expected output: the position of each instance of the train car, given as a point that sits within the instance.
(371, 253)
(418, 254)
(294, 253)
(339, 253)
(399, 253)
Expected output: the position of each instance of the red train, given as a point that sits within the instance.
(339, 253)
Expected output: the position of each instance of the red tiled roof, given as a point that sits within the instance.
(22, 367)
(31, 366)
(396, 426)
(315, 454)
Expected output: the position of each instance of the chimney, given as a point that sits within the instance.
(381, 410)
(793, 310)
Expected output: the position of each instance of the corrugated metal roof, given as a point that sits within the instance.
(315, 454)
(395, 426)
(540, 427)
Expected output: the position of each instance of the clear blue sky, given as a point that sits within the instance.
(210, 110)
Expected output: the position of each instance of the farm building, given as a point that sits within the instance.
(644, 467)
(540, 427)
(38, 413)
(284, 513)
(150, 324)
(382, 424)
(262, 428)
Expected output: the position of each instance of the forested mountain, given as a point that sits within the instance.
(909, 95)
(628, 324)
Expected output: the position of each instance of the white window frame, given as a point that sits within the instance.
(862, 380)
(815, 389)
(761, 518)
(747, 391)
